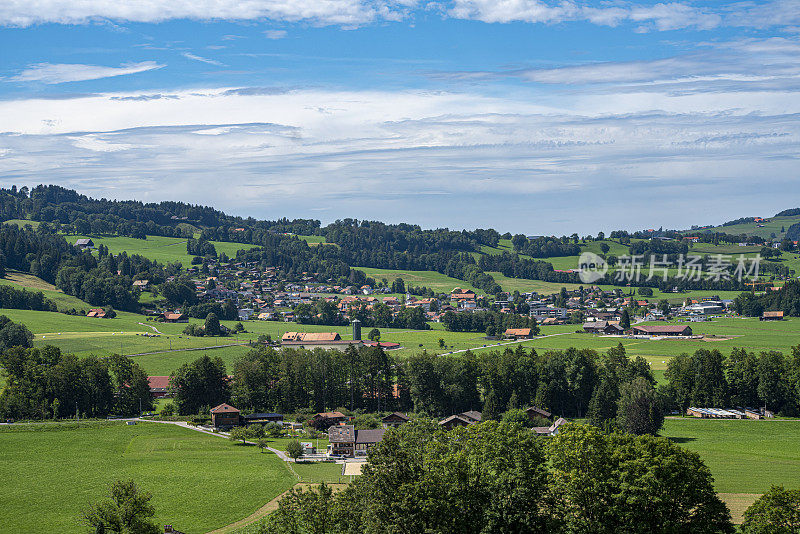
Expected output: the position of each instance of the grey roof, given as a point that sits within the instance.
(396, 415)
(342, 434)
(84, 242)
(370, 436)
(472, 414)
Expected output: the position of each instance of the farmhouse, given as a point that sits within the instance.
(462, 419)
(159, 386)
(535, 411)
(99, 313)
(261, 418)
(224, 415)
(772, 316)
(323, 420)
(84, 244)
(662, 330)
(518, 333)
(141, 284)
(551, 430)
(603, 327)
(174, 317)
(394, 420)
(345, 440)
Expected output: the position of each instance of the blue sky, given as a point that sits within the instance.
(524, 115)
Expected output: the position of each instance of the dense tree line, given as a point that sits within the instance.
(709, 379)
(490, 322)
(570, 383)
(545, 247)
(200, 247)
(44, 383)
(500, 478)
(225, 311)
(21, 299)
(787, 300)
(102, 280)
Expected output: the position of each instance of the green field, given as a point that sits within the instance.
(199, 482)
(158, 248)
(438, 282)
(744, 456)
(102, 337)
(773, 226)
(22, 222)
(29, 282)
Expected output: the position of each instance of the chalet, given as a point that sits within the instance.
(84, 244)
(323, 420)
(99, 313)
(394, 420)
(459, 294)
(535, 411)
(262, 418)
(771, 316)
(141, 284)
(461, 419)
(224, 415)
(175, 317)
(662, 330)
(519, 333)
(551, 430)
(603, 327)
(692, 239)
(159, 386)
(346, 441)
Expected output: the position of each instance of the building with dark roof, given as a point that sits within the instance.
(345, 440)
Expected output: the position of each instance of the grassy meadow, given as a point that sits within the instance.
(744, 456)
(20, 280)
(440, 283)
(199, 482)
(163, 354)
(158, 248)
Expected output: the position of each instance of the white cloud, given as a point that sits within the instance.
(373, 151)
(275, 34)
(194, 57)
(662, 16)
(743, 65)
(52, 73)
(343, 12)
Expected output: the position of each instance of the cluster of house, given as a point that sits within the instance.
(719, 413)
(346, 441)
(473, 417)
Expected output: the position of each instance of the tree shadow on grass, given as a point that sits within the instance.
(681, 440)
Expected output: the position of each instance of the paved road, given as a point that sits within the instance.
(507, 343)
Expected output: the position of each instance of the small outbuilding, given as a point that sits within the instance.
(772, 316)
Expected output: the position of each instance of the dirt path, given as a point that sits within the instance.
(268, 508)
(153, 327)
(190, 348)
(738, 503)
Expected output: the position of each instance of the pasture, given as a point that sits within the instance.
(51, 474)
(158, 248)
(440, 283)
(20, 280)
(744, 456)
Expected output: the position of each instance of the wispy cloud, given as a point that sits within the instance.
(323, 12)
(194, 57)
(278, 149)
(728, 66)
(52, 73)
(275, 34)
